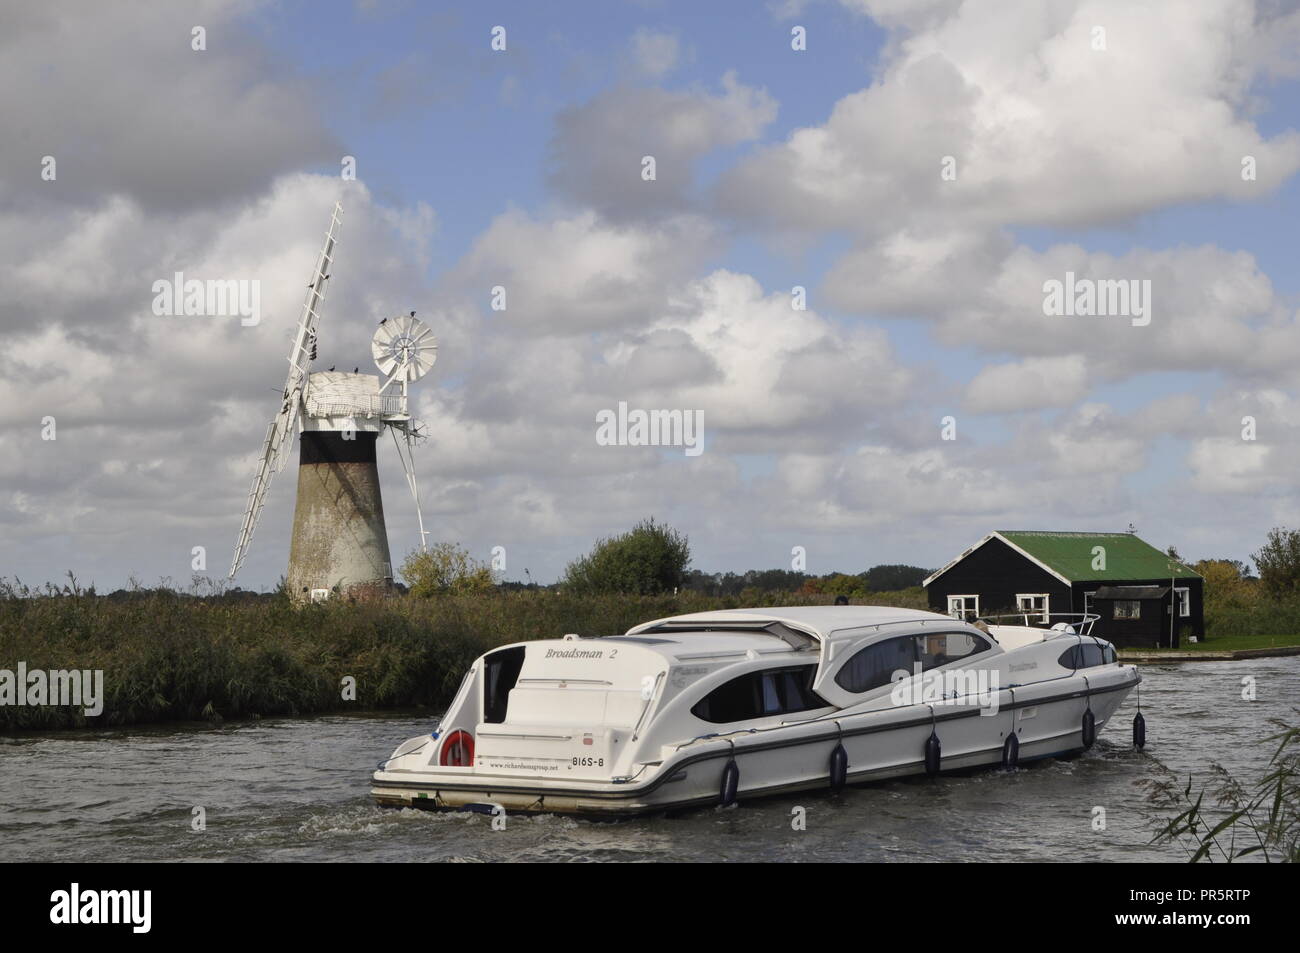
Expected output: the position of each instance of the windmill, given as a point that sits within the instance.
(340, 544)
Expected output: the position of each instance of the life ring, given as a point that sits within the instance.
(457, 750)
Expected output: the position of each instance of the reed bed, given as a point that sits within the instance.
(168, 656)
(172, 656)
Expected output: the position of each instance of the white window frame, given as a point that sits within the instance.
(961, 613)
(1184, 596)
(1047, 601)
(1088, 599)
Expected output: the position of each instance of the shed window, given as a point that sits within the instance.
(1128, 609)
(760, 694)
(1184, 597)
(964, 607)
(1034, 604)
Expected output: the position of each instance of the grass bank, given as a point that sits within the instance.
(168, 656)
(1258, 618)
(1233, 643)
(171, 657)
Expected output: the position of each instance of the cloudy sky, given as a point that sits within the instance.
(921, 169)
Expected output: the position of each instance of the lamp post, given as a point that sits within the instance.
(1173, 599)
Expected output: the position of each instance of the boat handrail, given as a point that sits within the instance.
(1036, 620)
(945, 620)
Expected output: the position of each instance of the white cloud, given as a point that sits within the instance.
(1209, 309)
(1224, 465)
(1044, 129)
(582, 273)
(118, 97)
(654, 54)
(598, 148)
(1032, 384)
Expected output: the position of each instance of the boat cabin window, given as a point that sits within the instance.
(876, 664)
(500, 672)
(776, 691)
(946, 647)
(1087, 655)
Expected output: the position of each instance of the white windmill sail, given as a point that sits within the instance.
(275, 447)
(405, 349)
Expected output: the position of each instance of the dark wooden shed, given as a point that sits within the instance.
(1144, 597)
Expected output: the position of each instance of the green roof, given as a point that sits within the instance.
(1071, 555)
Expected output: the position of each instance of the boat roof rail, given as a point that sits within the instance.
(1070, 623)
(946, 621)
(793, 637)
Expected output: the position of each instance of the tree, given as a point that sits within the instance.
(651, 558)
(834, 584)
(445, 568)
(1279, 562)
(890, 578)
(1226, 582)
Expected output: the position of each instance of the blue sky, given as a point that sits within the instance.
(923, 300)
(471, 151)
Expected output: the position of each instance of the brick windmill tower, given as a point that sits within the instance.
(340, 543)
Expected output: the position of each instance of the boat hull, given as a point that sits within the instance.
(1046, 717)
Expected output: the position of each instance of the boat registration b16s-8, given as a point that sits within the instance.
(715, 707)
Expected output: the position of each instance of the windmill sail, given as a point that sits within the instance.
(404, 350)
(275, 446)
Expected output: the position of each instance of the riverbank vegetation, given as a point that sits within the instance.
(1232, 819)
(213, 653)
(169, 656)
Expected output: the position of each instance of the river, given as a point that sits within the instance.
(295, 789)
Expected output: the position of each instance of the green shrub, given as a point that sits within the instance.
(647, 560)
(445, 568)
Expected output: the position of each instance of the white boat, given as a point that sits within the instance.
(715, 707)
